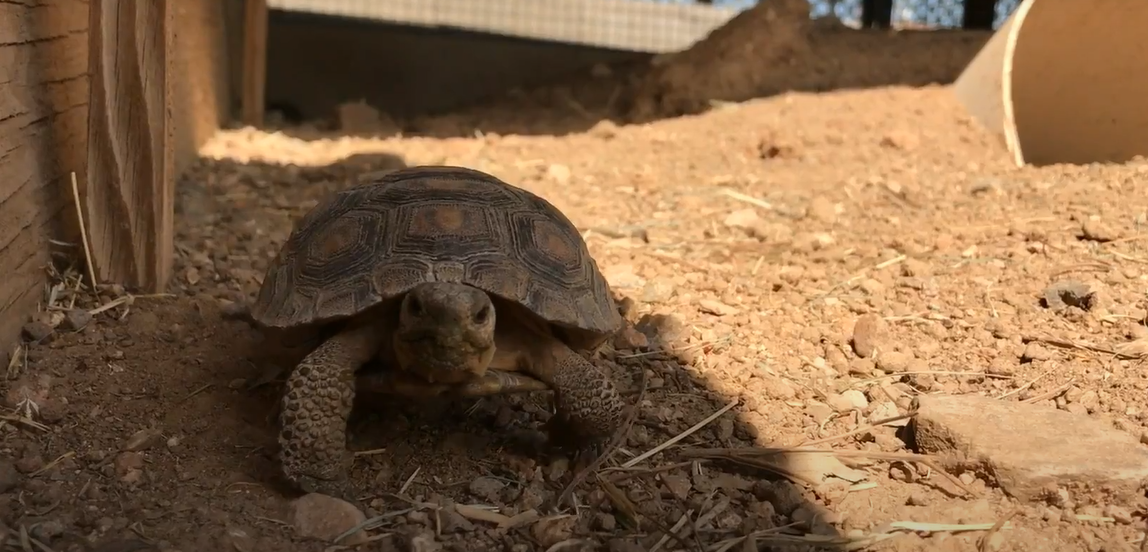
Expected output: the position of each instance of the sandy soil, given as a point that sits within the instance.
(747, 242)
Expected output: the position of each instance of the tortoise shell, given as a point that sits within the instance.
(368, 244)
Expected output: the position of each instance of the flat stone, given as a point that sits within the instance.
(1030, 449)
(322, 517)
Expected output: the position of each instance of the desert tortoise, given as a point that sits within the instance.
(414, 269)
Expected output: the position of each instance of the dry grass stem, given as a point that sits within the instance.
(671, 441)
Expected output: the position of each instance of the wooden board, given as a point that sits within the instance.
(1069, 82)
(43, 109)
(159, 90)
(980, 86)
(254, 61)
(130, 185)
(201, 79)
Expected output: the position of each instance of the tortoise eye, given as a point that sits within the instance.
(414, 306)
(482, 315)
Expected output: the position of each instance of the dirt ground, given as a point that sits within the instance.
(747, 242)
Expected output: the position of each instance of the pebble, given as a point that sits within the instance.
(143, 440)
(678, 485)
(553, 530)
(819, 411)
(1035, 351)
(37, 330)
(323, 517)
(605, 522)
(1096, 230)
(849, 400)
(748, 221)
(1025, 447)
(716, 308)
(868, 333)
(1068, 293)
(76, 319)
(486, 487)
(630, 338)
(892, 362)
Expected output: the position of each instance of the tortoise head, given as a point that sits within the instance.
(445, 332)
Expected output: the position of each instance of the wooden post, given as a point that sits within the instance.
(876, 14)
(130, 177)
(254, 61)
(979, 14)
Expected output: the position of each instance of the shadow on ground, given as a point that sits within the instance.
(164, 408)
(720, 476)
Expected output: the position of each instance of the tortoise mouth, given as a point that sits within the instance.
(438, 360)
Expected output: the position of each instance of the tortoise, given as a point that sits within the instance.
(456, 281)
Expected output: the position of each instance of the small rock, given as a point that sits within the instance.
(868, 334)
(629, 338)
(1035, 351)
(30, 462)
(749, 222)
(716, 307)
(558, 468)
(48, 530)
(76, 319)
(893, 362)
(1029, 447)
(605, 522)
(1097, 230)
(1119, 513)
(679, 485)
(452, 521)
(424, 542)
(819, 411)
(849, 400)
(37, 330)
(1068, 293)
(551, 531)
(323, 517)
(143, 440)
(885, 410)
(1001, 366)
(129, 466)
(486, 487)
(742, 218)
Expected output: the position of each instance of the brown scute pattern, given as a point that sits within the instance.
(513, 244)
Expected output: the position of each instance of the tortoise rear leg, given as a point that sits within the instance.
(589, 408)
(316, 404)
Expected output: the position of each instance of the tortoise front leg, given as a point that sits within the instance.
(316, 404)
(588, 407)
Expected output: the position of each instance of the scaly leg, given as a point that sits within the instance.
(589, 407)
(316, 404)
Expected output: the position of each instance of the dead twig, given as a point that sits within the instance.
(752, 457)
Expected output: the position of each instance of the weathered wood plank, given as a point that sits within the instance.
(43, 107)
(131, 176)
(254, 61)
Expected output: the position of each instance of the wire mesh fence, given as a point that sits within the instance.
(654, 26)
